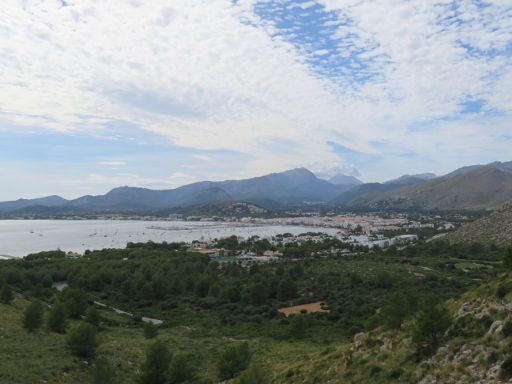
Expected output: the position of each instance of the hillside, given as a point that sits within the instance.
(206, 309)
(473, 188)
(496, 228)
(474, 349)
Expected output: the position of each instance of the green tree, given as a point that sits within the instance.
(102, 372)
(92, 316)
(150, 330)
(33, 316)
(507, 257)
(82, 340)
(156, 367)
(75, 301)
(233, 360)
(181, 369)
(6, 294)
(57, 319)
(299, 325)
(397, 310)
(432, 321)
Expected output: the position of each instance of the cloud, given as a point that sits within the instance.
(328, 170)
(113, 163)
(243, 76)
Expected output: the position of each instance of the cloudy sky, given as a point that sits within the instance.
(95, 94)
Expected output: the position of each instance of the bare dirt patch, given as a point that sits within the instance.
(309, 308)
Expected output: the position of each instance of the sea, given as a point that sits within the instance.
(19, 238)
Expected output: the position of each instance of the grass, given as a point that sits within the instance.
(42, 356)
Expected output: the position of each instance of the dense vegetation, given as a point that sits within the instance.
(204, 302)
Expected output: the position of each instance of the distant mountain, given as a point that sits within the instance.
(411, 179)
(49, 201)
(341, 179)
(495, 228)
(293, 187)
(353, 196)
(476, 187)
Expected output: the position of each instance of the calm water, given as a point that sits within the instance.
(21, 237)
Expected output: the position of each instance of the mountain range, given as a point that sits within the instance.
(473, 187)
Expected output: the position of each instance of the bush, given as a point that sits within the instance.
(233, 360)
(182, 369)
(57, 319)
(102, 372)
(432, 321)
(156, 366)
(299, 325)
(254, 375)
(503, 290)
(506, 368)
(92, 316)
(6, 295)
(75, 301)
(82, 340)
(33, 316)
(507, 328)
(150, 331)
(507, 257)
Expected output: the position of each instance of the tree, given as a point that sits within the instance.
(233, 360)
(182, 369)
(75, 301)
(6, 295)
(92, 316)
(103, 372)
(57, 319)
(156, 367)
(397, 310)
(432, 321)
(150, 331)
(33, 316)
(507, 257)
(299, 325)
(82, 340)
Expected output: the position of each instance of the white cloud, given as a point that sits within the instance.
(210, 75)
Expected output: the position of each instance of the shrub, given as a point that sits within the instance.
(233, 360)
(503, 290)
(507, 328)
(33, 316)
(254, 375)
(102, 372)
(92, 316)
(82, 340)
(150, 331)
(6, 295)
(432, 321)
(57, 319)
(506, 368)
(299, 325)
(181, 369)
(156, 366)
(75, 301)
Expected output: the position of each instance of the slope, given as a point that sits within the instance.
(484, 187)
(495, 228)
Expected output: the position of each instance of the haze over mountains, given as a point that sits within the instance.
(473, 187)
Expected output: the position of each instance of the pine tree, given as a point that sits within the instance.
(33, 316)
(156, 366)
(82, 340)
(57, 319)
(6, 295)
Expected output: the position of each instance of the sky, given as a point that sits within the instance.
(97, 94)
